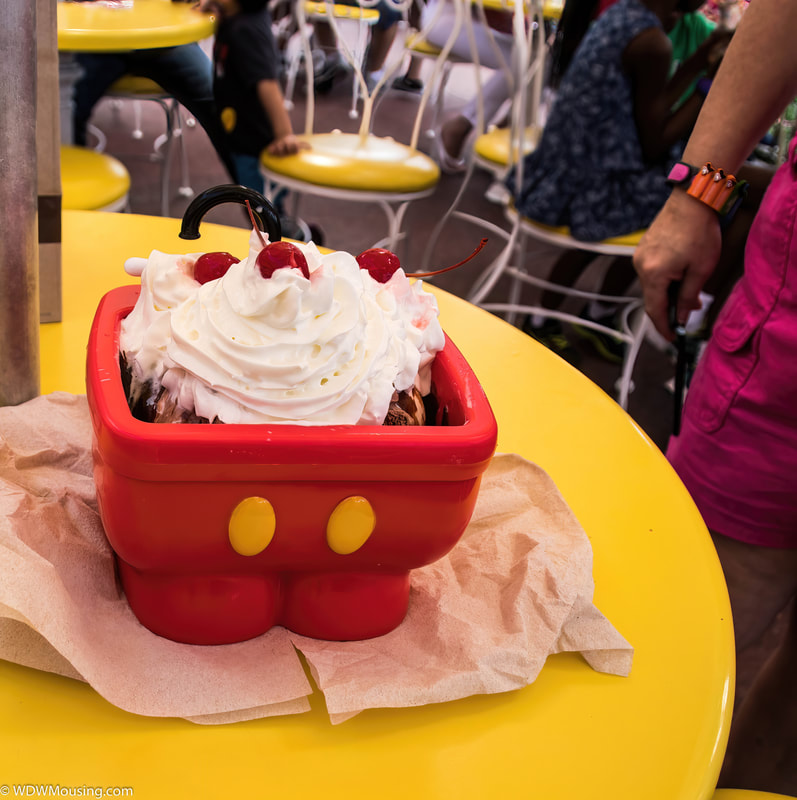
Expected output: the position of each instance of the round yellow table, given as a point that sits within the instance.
(97, 28)
(574, 734)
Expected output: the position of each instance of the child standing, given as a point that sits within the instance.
(246, 87)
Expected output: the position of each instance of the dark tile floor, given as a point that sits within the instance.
(354, 228)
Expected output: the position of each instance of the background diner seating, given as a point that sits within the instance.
(137, 89)
(355, 227)
(361, 167)
(360, 18)
(516, 261)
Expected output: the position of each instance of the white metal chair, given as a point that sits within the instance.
(515, 262)
(319, 11)
(359, 167)
(496, 149)
(417, 47)
(138, 89)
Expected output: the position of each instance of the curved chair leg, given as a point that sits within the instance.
(184, 189)
(292, 52)
(439, 99)
(166, 141)
(395, 217)
(489, 277)
(102, 139)
(137, 132)
(639, 330)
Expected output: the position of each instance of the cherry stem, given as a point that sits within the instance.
(453, 266)
(254, 224)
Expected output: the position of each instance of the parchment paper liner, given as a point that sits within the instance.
(517, 588)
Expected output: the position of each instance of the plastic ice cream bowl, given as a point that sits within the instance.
(221, 532)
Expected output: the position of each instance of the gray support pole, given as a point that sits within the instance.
(19, 269)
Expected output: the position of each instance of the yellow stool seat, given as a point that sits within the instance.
(420, 46)
(136, 85)
(552, 9)
(347, 161)
(626, 240)
(493, 146)
(748, 794)
(92, 181)
(318, 10)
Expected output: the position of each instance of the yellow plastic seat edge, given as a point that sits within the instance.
(340, 11)
(626, 240)
(416, 172)
(90, 180)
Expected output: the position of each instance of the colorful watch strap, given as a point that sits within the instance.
(711, 186)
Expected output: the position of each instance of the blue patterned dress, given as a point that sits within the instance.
(588, 171)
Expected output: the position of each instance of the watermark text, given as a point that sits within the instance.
(59, 790)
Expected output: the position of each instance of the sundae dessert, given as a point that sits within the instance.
(288, 335)
(297, 510)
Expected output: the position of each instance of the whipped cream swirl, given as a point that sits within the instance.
(331, 349)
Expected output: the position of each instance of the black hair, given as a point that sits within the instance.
(577, 15)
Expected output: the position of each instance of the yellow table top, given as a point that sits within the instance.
(90, 27)
(659, 734)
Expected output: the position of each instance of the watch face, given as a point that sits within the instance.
(679, 173)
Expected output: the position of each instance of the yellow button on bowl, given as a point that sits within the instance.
(350, 525)
(252, 526)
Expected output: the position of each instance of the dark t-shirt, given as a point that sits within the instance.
(244, 54)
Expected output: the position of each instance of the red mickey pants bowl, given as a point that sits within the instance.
(223, 531)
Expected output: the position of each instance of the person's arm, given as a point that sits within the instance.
(706, 59)
(285, 142)
(646, 61)
(755, 82)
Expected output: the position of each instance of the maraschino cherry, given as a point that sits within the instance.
(281, 255)
(381, 264)
(210, 266)
(277, 255)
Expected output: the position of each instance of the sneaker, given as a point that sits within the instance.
(407, 84)
(607, 346)
(551, 334)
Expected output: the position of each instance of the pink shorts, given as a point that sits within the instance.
(737, 450)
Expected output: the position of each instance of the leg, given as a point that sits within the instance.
(762, 582)
(619, 277)
(383, 34)
(456, 130)
(186, 73)
(248, 170)
(100, 70)
(566, 271)
(763, 741)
